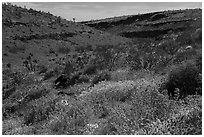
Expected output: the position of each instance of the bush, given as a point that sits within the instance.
(15, 49)
(42, 69)
(39, 110)
(83, 78)
(186, 119)
(49, 74)
(64, 50)
(69, 68)
(111, 91)
(71, 120)
(199, 61)
(90, 69)
(102, 76)
(169, 46)
(185, 77)
(125, 106)
(8, 92)
(197, 36)
(121, 74)
(185, 55)
(35, 94)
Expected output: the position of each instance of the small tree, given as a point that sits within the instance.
(74, 20)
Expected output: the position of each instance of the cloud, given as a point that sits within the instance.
(97, 10)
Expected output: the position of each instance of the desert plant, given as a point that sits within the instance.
(102, 76)
(197, 36)
(185, 78)
(90, 69)
(83, 78)
(42, 69)
(69, 68)
(49, 74)
(64, 50)
(39, 110)
(8, 92)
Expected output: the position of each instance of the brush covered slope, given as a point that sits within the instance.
(160, 38)
(67, 78)
(45, 36)
(150, 25)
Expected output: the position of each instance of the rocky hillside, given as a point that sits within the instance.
(150, 25)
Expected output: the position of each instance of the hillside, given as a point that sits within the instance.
(150, 25)
(163, 34)
(128, 75)
(46, 36)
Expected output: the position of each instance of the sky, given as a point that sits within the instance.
(83, 11)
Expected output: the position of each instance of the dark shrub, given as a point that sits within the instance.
(8, 92)
(83, 78)
(8, 65)
(35, 94)
(74, 78)
(197, 36)
(199, 61)
(69, 68)
(185, 55)
(64, 50)
(62, 81)
(102, 76)
(39, 110)
(42, 69)
(9, 108)
(37, 114)
(185, 78)
(15, 49)
(169, 46)
(90, 69)
(49, 74)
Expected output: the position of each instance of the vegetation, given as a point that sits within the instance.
(64, 77)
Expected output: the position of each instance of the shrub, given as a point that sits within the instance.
(121, 74)
(71, 120)
(69, 68)
(197, 35)
(39, 110)
(169, 46)
(8, 125)
(64, 50)
(49, 74)
(102, 76)
(8, 92)
(83, 78)
(149, 104)
(42, 69)
(15, 49)
(22, 130)
(126, 106)
(185, 55)
(199, 61)
(110, 92)
(35, 94)
(90, 69)
(185, 78)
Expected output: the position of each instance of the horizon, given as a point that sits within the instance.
(86, 11)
